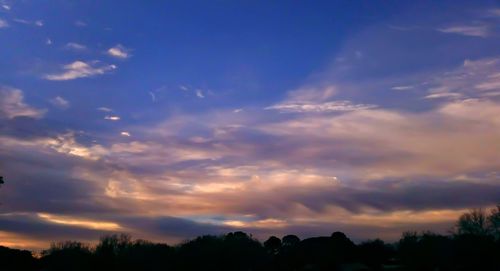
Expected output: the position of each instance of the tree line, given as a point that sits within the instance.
(474, 244)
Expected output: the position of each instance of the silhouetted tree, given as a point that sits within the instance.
(494, 222)
(273, 245)
(16, 260)
(408, 249)
(69, 255)
(290, 240)
(111, 250)
(375, 253)
(473, 222)
(233, 251)
(289, 257)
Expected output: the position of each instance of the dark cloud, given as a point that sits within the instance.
(32, 226)
(417, 195)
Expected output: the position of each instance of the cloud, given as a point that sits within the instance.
(448, 95)
(316, 100)
(312, 94)
(21, 21)
(153, 96)
(12, 105)
(105, 109)
(59, 102)
(306, 173)
(402, 87)
(6, 7)
(75, 46)
(80, 23)
(473, 79)
(382, 143)
(125, 133)
(80, 69)
(3, 24)
(494, 12)
(113, 118)
(38, 23)
(473, 31)
(48, 41)
(334, 106)
(119, 51)
(199, 94)
(67, 144)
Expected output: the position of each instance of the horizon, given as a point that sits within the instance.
(175, 119)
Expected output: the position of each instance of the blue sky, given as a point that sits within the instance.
(172, 119)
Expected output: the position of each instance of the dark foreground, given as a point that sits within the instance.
(474, 245)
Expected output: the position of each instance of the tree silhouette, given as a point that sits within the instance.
(473, 222)
(290, 240)
(494, 222)
(375, 253)
(273, 245)
(474, 246)
(68, 255)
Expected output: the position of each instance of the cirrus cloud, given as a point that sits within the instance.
(80, 69)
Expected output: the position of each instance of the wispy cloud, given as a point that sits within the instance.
(12, 105)
(72, 221)
(80, 69)
(75, 46)
(153, 96)
(80, 23)
(494, 12)
(59, 102)
(312, 94)
(333, 106)
(447, 95)
(119, 51)
(105, 109)
(112, 117)
(402, 87)
(125, 133)
(3, 23)
(316, 100)
(38, 23)
(467, 30)
(473, 79)
(199, 94)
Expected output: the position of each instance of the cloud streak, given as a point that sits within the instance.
(80, 69)
(75, 46)
(334, 106)
(481, 31)
(59, 102)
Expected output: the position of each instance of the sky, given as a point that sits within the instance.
(171, 119)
